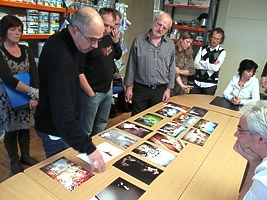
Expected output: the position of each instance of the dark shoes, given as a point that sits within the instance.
(15, 166)
(28, 161)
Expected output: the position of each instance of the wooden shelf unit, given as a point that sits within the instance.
(35, 36)
(187, 6)
(22, 5)
(189, 28)
(31, 6)
(192, 28)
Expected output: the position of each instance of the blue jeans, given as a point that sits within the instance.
(95, 112)
(52, 147)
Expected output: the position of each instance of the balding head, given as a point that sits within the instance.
(86, 18)
(87, 23)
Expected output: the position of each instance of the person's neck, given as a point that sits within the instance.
(10, 45)
(242, 81)
(154, 39)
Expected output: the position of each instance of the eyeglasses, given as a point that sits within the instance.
(241, 131)
(90, 40)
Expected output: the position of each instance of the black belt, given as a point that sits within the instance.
(151, 86)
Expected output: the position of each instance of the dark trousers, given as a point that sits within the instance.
(145, 97)
(202, 90)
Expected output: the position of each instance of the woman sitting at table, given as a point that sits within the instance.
(244, 87)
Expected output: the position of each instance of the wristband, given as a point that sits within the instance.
(32, 93)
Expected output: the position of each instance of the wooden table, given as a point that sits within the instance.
(204, 102)
(220, 175)
(213, 171)
(21, 186)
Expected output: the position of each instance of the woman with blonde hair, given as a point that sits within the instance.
(184, 63)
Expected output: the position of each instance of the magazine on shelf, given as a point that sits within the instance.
(167, 142)
(154, 154)
(118, 137)
(119, 189)
(67, 173)
(137, 168)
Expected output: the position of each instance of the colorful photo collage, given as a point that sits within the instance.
(67, 173)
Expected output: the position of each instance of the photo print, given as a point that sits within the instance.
(196, 136)
(134, 129)
(186, 119)
(118, 137)
(198, 111)
(137, 168)
(120, 189)
(205, 125)
(167, 142)
(173, 128)
(67, 173)
(107, 151)
(149, 119)
(168, 111)
(179, 107)
(154, 154)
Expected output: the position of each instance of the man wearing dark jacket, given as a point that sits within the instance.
(57, 118)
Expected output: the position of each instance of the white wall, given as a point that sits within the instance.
(140, 14)
(245, 25)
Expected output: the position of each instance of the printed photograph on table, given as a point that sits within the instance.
(179, 107)
(118, 137)
(67, 173)
(173, 128)
(154, 154)
(134, 129)
(198, 111)
(120, 189)
(167, 142)
(205, 125)
(149, 119)
(107, 151)
(186, 119)
(168, 111)
(138, 169)
(196, 136)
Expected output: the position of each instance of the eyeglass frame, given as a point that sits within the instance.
(88, 39)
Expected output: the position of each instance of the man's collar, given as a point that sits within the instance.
(163, 38)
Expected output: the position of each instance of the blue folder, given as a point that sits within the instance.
(19, 100)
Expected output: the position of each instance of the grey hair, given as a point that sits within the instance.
(81, 20)
(256, 116)
(157, 15)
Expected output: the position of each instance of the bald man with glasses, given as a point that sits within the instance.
(57, 117)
